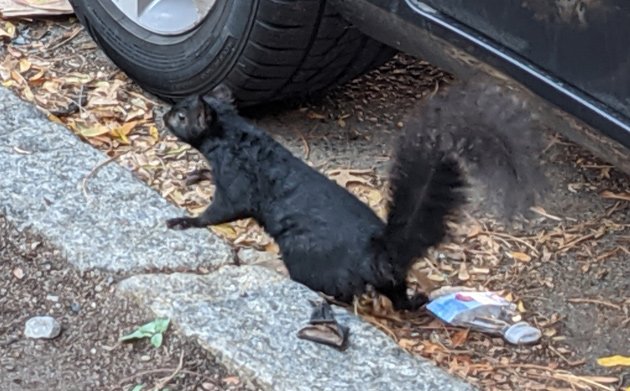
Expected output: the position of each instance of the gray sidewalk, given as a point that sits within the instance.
(247, 316)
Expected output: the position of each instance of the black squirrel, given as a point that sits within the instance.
(329, 240)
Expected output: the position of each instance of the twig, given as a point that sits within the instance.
(563, 358)
(486, 367)
(613, 209)
(580, 380)
(510, 237)
(65, 41)
(572, 243)
(608, 254)
(608, 304)
(544, 213)
(625, 196)
(380, 325)
(163, 382)
(307, 148)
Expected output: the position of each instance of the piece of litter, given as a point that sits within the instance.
(483, 311)
(324, 329)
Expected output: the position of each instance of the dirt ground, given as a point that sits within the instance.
(567, 268)
(36, 280)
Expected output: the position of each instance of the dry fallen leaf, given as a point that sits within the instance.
(345, 177)
(15, 75)
(314, 115)
(121, 132)
(474, 230)
(154, 133)
(463, 274)
(272, 247)
(407, 343)
(94, 130)
(75, 78)
(613, 361)
(615, 196)
(430, 347)
(520, 256)
(225, 230)
(25, 65)
(231, 380)
(459, 338)
(479, 270)
(7, 31)
(372, 196)
(550, 332)
(38, 77)
(436, 277)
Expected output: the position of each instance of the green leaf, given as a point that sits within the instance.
(138, 387)
(138, 334)
(148, 330)
(156, 340)
(161, 324)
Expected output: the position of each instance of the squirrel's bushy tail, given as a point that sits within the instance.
(475, 132)
(495, 135)
(425, 188)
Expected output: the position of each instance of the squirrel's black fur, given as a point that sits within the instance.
(329, 240)
(495, 135)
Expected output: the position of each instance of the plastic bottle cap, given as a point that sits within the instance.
(522, 333)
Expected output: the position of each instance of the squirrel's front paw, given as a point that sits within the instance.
(416, 301)
(179, 223)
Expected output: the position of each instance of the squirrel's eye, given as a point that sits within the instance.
(181, 116)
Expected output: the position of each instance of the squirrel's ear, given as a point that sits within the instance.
(222, 93)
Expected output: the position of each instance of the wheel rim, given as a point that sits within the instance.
(165, 17)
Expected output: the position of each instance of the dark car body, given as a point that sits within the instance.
(574, 54)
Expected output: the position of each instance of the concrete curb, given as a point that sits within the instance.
(118, 227)
(249, 316)
(246, 315)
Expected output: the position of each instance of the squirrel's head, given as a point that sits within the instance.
(193, 119)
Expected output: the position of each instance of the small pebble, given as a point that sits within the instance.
(53, 298)
(42, 327)
(75, 307)
(98, 288)
(19, 40)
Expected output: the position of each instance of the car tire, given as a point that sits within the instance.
(265, 50)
